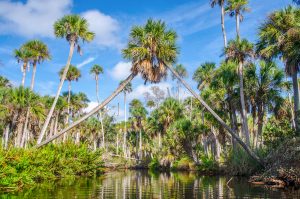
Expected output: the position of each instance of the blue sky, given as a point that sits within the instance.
(198, 27)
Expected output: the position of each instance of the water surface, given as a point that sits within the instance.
(145, 184)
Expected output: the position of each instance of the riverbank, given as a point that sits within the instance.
(22, 168)
(282, 167)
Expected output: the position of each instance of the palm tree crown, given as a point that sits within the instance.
(39, 51)
(237, 7)
(239, 50)
(73, 73)
(150, 48)
(96, 70)
(73, 27)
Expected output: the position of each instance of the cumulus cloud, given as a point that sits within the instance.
(32, 18)
(138, 92)
(121, 70)
(85, 62)
(105, 28)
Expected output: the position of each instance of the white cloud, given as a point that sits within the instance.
(105, 28)
(138, 92)
(85, 62)
(33, 18)
(121, 70)
(90, 107)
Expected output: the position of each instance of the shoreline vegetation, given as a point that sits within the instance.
(243, 120)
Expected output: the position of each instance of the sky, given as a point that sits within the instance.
(196, 23)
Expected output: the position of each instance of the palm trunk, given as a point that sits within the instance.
(92, 112)
(296, 103)
(24, 74)
(43, 131)
(223, 24)
(140, 145)
(243, 111)
(100, 113)
(261, 113)
(239, 140)
(33, 76)
(69, 99)
(237, 18)
(125, 131)
(6, 135)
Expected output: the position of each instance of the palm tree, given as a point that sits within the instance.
(221, 3)
(279, 37)
(204, 74)
(180, 69)
(267, 84)
(239, 51)
(73, 28)
(236, 8)
(138, 114)
(126, 89)
(73, 75)
(152, 49)
(39, 52)
(96, 70)
(23, 55)
(4, 82)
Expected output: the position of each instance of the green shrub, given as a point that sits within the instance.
(208, 164)
(184, 163)
(25, 167)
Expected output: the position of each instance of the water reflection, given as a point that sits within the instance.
(146, 184)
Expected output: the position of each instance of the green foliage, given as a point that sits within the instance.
(26, 167)
(154, 164)
(208, 164)
(184, 163)
(240, 163)
(276, 131)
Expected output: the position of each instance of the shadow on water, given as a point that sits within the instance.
(148, 184)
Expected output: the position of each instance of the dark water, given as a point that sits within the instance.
(145, 184)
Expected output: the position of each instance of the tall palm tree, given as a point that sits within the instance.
(73, 74)
(127, 89)
(221, 3)
(39, 52)
(72, 28)
(236, 8)
(96, 70)
(181, 70)
(279, 37)
(152, 49)
(239, 51)
(23, 55)
(204, 74)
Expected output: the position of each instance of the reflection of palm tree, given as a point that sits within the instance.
(73, 28)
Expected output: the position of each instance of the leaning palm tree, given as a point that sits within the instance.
(152, 50)
(279, 36)
(239, 51)
(96, 70)
(73, 74)
(127, 89)
(181, 70)
(236, 8)
(73, 28)
(39, 52)
(221, 3)
(23, 55)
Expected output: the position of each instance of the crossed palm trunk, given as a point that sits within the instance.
(121, 87)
